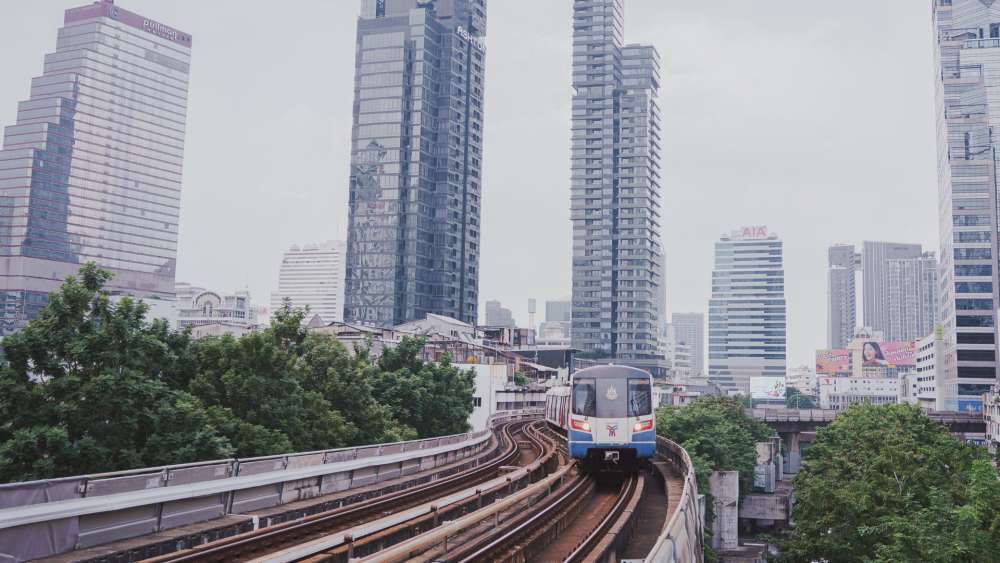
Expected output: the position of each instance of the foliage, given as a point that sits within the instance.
(717, 434)
(519, 379)
(794, 399)
(91, 386)
(886, 483)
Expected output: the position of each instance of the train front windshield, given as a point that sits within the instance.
(640, 397)
(604, 397)
(585, 397)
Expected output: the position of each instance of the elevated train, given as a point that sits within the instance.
(607, 415)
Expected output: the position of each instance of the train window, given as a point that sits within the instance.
(640, 397)
(585, 397)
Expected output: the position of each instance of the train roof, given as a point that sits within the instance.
(611, 371)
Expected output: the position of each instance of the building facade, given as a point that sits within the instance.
(416, 169)
(312, 276)
(618, 286)
(91, 171)
(927, 372)
(689, 328)
(498, 315)
(838, 393)
(803, 378)
(747, 314)
(968, 55)
(912, 297)
(210, 313)
(842, 315)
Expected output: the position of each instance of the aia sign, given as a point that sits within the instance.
(612, 430)
(754, 232)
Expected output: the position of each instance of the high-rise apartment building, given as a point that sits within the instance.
(841, 295)
(968, 55)
(746, 315)
(91, 171)
(498, 316)
(689, 328)
(616, 210)
(875, 258)
(559, 310)
(413, 234)
(912, 297)
(313, 276)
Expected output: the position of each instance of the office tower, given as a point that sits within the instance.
(91, 171)
(841, 295)
(313, 276)
(532, 305)
(413, 232)
(968, 41)
(746, 315)
(876, 297)
(560, 310)
(498, 316)
(615, 188)
(690, 329)
(912, 297)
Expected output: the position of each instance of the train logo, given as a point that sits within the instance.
(612, 394)
(612, 429)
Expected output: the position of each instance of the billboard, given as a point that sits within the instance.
(832, 362)
(768, 387)
(888, 354)
(873, 354)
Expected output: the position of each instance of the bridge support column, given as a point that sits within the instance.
(793, 452)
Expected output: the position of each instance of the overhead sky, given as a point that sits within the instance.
(814, 118)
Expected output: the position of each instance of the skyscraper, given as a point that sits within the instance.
(313, 276)
(875, 258)
(92, 169)
(413, 232)
(968, 52)
(841, 295)
(912, 297)
(746, 315)
(689, 328)
(615, 188)
(498, 315)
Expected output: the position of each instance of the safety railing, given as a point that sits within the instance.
(683, 536)
(52, 516)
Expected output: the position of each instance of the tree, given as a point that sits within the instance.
(794, 399)
(83, 390)
(434, 398)
(717, 434)
(887, 483)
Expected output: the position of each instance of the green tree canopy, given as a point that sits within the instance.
(886, 483)
(794, 399)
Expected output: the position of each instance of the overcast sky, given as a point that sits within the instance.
(814, 118)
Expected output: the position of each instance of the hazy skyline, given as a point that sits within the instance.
(816, 119)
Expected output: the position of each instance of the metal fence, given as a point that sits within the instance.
(52, 516)
(682, 540)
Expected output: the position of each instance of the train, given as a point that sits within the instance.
(606, 413)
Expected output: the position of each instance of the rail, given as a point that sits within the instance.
(50, 517)
(682, 540)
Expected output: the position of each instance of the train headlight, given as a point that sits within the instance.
(581, 425)
(643, 426)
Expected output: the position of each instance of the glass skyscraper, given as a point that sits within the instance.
(746, 315)
(417, 149)
(968, 112)
(91, 171)
(618, 261)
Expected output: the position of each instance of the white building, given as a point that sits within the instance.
(928, 370)
(440, 325)
(313, 276)
(209, 313)
(689, 328)
(746, 316)
(804, 379)
(838, 393)
(991, 412)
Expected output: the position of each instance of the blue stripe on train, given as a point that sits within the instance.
(642, 449)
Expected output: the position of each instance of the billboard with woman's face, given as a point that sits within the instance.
(888, 354)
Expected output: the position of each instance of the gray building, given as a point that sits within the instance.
(559, 310)
(498, 316)
(747, 315)
(91, 171)
(841, 295)
(912, 292)
(968, 51)
(415, 188)
(689, 328)
(877, 294)
(615, 189)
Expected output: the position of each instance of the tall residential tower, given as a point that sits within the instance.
(689, 328)
(417, 149)
(842, 315)
(91, 171)
(967, 95)
(618, 261)
(746, 315)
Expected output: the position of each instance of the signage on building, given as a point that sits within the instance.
(766, 387)
(753, 232)
(476, 42)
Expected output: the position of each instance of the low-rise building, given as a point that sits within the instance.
(927, 371)
(804, 379)
(838, 393)
(209, 313)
